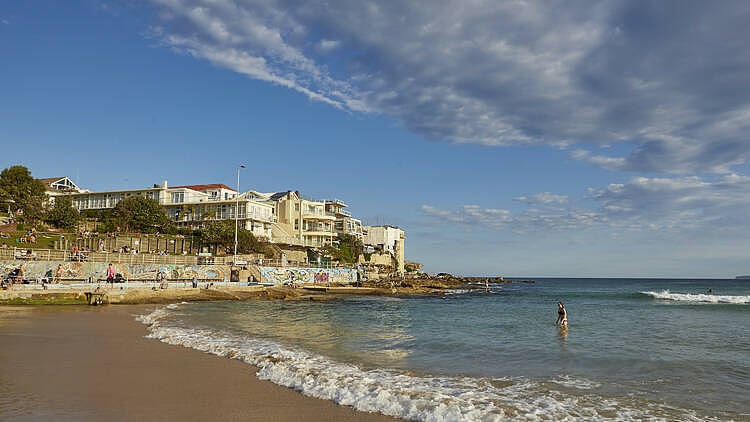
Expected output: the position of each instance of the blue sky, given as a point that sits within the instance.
(524, 139)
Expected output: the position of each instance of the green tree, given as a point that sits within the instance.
(217, 234)
(220, 236)
(62, 214)
(140, 214)
(23, 192)
(347, 248)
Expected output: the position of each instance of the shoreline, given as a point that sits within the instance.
(90, 363)
(176, 294)
(151, 293)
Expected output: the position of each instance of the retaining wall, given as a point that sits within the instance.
(146, 272)
(98, 270)
(278, 275)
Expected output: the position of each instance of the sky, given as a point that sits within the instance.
(521, 138)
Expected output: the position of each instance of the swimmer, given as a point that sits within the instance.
(562, 315)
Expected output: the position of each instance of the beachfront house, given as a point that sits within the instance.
(388, 239)
(281, 217)
(56, 186)
(344, 223)
(302, 221)
(190, 205)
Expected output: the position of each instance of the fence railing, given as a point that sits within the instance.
(115, 257)
(144, 258)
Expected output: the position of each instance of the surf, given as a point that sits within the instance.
(698, 297)
(403, 394)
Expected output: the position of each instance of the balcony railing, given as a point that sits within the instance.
(318, 214)
(328, 232)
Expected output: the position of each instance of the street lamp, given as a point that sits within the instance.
(237, 212)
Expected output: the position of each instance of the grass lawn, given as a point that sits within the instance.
(43, 240)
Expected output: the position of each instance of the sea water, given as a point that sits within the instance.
(635, 349)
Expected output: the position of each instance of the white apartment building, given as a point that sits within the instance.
(389, 239)
(345, 223)
(191, 205)
(282, 217)
(302, 221)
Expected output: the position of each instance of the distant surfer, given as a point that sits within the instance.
(562, 315)
(486, 285)
(710, 291)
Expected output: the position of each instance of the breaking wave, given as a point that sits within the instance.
(411, 397)
(700, 298)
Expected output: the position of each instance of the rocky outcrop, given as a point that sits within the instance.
(433, 284)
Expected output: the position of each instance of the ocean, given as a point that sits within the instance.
(635, 349)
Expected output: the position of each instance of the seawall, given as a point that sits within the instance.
(83, 271)
(80, 271)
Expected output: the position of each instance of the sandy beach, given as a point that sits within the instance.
(81, 363)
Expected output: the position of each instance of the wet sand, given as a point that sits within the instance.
(81, 363)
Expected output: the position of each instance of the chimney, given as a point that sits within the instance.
(163, 184)
(297, 193)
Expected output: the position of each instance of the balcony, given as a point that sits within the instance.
(318, 215)
(318, 231)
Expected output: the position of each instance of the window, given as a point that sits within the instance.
(296, 224)
(296, 207)
(112, 199)
(178, 197)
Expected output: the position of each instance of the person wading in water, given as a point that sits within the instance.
(562, 315)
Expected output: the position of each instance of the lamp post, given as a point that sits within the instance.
(237, 212)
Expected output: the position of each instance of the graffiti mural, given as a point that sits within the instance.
(98, 270)
(278, 275)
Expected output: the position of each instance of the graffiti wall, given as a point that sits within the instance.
(98, 270)
(277, 275)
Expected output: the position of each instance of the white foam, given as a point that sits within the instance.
(417, 398)
(702, 298)
(575, 382)
(455, 291)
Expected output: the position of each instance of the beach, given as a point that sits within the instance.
(81, 363)
(465, 355)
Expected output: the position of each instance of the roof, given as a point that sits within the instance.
(335, 201)
(69, 184)
(50, 180)
(204, 187)
(278, 195)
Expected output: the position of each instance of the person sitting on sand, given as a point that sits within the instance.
(562, 315)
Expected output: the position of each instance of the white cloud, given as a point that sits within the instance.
(252, 39)
(503, 73)
(543, 198)
(656, 204)
(326, 46)
(530, 220)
